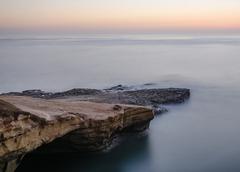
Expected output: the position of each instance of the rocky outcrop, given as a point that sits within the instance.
(75, 120)
(118, 94)
(28, 123)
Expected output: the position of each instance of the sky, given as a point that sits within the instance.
(119, 15)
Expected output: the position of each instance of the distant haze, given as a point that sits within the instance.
(119, 15)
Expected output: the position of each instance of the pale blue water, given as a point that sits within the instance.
(200, 135)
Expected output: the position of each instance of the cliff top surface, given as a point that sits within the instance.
(50, 109)
(5, 106)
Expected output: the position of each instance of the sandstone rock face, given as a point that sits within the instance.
(75, 120)
(97, 135)
(27, 123)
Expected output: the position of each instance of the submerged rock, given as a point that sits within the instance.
(158, 109)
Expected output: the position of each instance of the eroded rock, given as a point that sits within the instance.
(75, 120)
(118, 95)
(28, 123)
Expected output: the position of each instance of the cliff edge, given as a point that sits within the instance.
(75, 120)
(28, 123)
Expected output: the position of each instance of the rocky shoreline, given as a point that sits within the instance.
(75, 120)
(116, 95)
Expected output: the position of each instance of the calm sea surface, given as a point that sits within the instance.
(199, 135)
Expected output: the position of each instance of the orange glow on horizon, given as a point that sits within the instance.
(127, 19)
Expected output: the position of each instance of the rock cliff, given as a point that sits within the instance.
(27, 123)
(75, 120)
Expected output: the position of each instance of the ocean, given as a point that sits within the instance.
(200, 135)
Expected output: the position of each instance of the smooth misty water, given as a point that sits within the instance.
(199, 135)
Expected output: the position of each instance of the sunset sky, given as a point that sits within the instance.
(119, 15)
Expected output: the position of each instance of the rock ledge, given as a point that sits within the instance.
(75, 120)
(28, 123)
